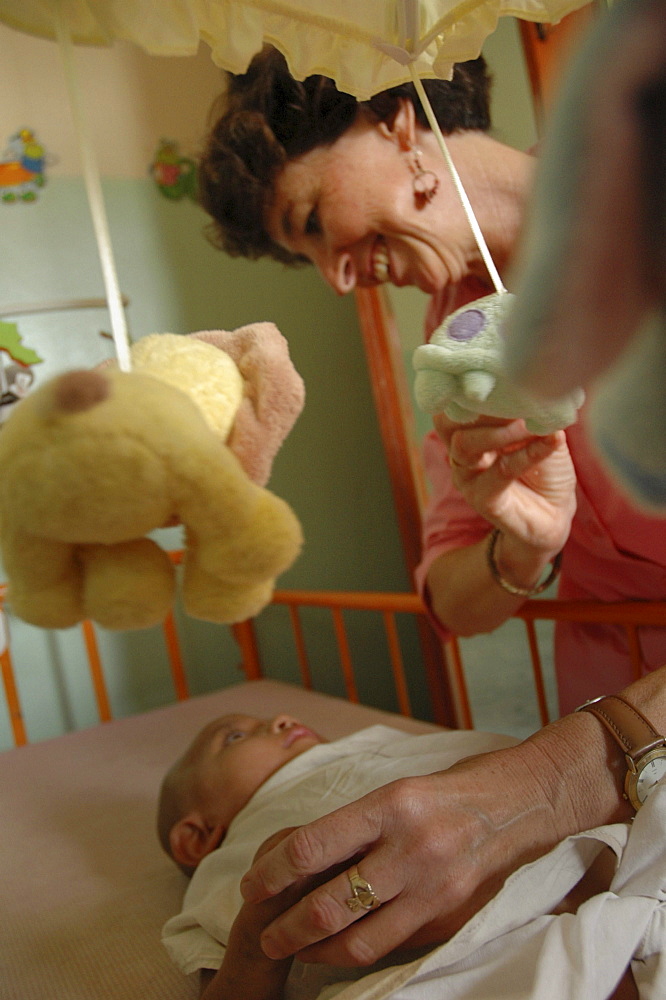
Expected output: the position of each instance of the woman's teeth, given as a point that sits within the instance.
(380, 263)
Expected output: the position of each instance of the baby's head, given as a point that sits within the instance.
(217, 775)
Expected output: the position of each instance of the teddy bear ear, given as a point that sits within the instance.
(273, 398)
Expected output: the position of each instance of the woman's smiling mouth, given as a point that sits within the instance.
(379, 262)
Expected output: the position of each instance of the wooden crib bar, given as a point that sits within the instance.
(629, 614)
(8, 679)
(388, 604)
(96, 672)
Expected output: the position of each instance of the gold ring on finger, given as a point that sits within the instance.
(364, 897)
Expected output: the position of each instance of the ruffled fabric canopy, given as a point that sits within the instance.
(364, 45)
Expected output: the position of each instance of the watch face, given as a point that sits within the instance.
(653, 770)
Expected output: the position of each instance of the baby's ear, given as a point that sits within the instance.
(192, 838)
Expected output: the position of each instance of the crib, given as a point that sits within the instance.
(85, 887)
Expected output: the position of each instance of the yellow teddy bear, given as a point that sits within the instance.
(92, 461)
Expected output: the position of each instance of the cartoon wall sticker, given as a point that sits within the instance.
(16, 374)
(22, 168)
(175, 175)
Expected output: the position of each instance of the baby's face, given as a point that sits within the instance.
(235, 754)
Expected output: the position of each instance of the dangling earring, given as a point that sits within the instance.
(425, 183)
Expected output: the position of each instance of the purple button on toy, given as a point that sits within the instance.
(467, 325)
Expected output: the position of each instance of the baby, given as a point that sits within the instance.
(242, 780)
(235, 772)
(217, 775)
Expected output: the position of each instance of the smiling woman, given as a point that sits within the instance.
(302, 173)
(328, 207)
(268, 121)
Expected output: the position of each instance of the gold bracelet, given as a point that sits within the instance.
(510, 587)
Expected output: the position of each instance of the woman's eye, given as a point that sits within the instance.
(312, 227)
(234, 736)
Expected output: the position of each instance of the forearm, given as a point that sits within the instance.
(583, 766)
(464, 595)
(246, 972)
(513, 806)
(262, 979)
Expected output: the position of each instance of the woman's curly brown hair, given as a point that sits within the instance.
(267, 118)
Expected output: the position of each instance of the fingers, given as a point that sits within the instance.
(476, 448)
(364, 942)
(339, 921)
(507, 454)
(328, 841)
(323, 928)
(406, 856)
(515, 463)
(445, 427)
(318, 915)
(273, 841)
(523, 484)
(333, 846)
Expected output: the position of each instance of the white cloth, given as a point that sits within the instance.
(513, 940)
(315, 783)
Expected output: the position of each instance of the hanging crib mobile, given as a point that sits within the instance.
(96, 561)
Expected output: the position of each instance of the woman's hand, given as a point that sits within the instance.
(523, 484)
(246, 971)
(434, 849)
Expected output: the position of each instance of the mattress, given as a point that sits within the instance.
(85, 888)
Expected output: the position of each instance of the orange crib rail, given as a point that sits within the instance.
(388, 604)
(629, 614)
(8, 679)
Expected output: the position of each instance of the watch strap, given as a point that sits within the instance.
(628, 727)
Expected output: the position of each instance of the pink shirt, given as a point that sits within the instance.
(614, 552)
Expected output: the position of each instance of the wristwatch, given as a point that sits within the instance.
(644, 749)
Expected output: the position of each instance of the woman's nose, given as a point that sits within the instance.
(281, 722)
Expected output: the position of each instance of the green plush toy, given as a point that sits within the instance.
(462, 372)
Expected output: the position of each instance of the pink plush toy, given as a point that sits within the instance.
(93, 461)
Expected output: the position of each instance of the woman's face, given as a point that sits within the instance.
(351, 209)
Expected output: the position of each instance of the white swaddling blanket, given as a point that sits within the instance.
(513, 941)
(313, 784)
